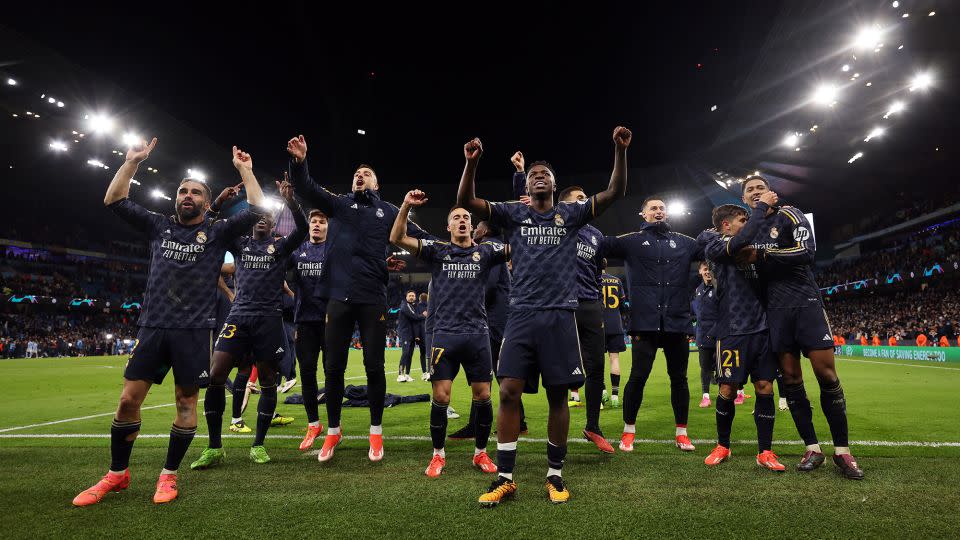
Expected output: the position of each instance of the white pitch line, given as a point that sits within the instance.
(896, 364)
(919, 444)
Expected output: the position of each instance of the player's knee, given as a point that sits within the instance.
(763, 387)
(129, 406)
(509, 397)
(728, 391)
(792, 378)
(481, 392)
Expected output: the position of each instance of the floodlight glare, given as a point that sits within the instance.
(130, 139)
(100, 124)
(825, 94)
(677, 208)
(868, 38)
(791, 140)
(921, 81)
(875, 132)
(58, 146)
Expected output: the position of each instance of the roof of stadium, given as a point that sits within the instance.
(845, 107)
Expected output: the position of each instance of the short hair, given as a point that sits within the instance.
(410, 291)
(568, 190)
(725, 212)
(643, 205)
(544, 164)
(603, 263)
(206, 188)
(454, 207)
(315, 212)
(365, 166)
(704, 263)
(424, 296)
(743, 186)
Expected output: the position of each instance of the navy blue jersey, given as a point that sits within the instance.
(658, 274)
(261, 265)
(544, 251)
(614, 303)
(738, 289)
(497, 297)
(185, 263)
(785, 240)
(358, 239)
(408, 318)
(706, 309)
(458, 284)
(588, 263)
(307, 262)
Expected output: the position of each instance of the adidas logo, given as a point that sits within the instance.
(166, 231)
(246, 248)
(826, 337)
(447, 258)
(645, 243)
(354, 206)
(528, 221)
(304, 254)
(204, 374)
(577, 372)
(279, 350)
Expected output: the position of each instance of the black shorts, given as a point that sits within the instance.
(542, 344)
(739, 357)
(616, 343)
(472, 351)
(186, 350)
(799, 329)
(259, 337)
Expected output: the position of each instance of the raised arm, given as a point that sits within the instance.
(466, 194)
(244, 163)
(398, 234)
(617, 188)
(303, 183)
(119, 187)
(299, 233)
(519, 178)
(225, 195)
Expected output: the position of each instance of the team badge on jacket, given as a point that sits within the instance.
(476, 256)
(774, 233)
(379, 212)
(673, 244)
(558, 220)
(201, 237)
(271, 249)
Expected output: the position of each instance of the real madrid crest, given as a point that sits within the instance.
(774, 232)
(673, 244)
(726, 372)
(379, 212)
(201, 237)
(593, 240)
(271, 249)
(558, 220)
(476, 256)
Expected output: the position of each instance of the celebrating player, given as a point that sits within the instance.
(743, 339)
(408, 318)
(176, 323)
(614, 304)
(541, 335)
(798, 322)
(658, 268)
(704, 307)
(460, 336)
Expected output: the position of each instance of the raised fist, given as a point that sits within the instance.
(517, 160)
(394, 264)
(227, 194)
(525, 199)
(297, 148)
(242, 160)
(473, 149)
(622, 136)
(769, 198)
(286, 190)
(141, 151)
(415, 197)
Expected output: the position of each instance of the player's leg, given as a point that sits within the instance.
(422, 344)
(288, 365)
(644, 352)
(438, 424)
(764, 414)
(309, 344)
(483, 406)
(266, 406)
(707, 363)
(725, 413)
(214, 403)
(834, 405)
(558, 428)
(373, 331)
(676, 349)
(615, 346)
(406, 355)
(337, 338)
(508, 432)
(592, 340)
(239, 401)
(181, 435)
(800, 410)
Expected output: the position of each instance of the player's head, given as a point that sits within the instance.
(729, 219)
(365, 178)
(653, 209)
(541, 180)
(572, 194)
(318, 226)
(459, 224)
(264, 227)
(423, 297)
(603, 263)
(193, 199)
(411, 296)
(483, 230)
(753, 187)
(705, 273)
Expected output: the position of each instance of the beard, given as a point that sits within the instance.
(186, 214)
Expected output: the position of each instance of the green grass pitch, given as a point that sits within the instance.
(911, 490)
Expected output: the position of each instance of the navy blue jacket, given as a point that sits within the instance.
(706, 309)
(408, 319)
(658, 274)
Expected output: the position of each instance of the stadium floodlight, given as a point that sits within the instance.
(100, 124)
(868, 37)
(157, 194)
(895, 4)
(361, 132)
(875, 132)
(196, 174)
(931, 14)
(855, 157)
(129, 139)
(825, 94)
(677, 208)
(791, 139)
(12, 82)
(59, 104)
(713, 108)
(921, 81)
(756, 173)
(845, 68)
(905, 16)
(109, 336)
(51, 99)
(274, 203)
(58, 146)
(895, 107)
(95, 163)
(134, 181)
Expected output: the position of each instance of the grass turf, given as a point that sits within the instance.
(656, 491)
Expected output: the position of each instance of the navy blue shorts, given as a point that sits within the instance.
(257, 337)
(541, 344)
(799, 329)
(739, 357)
(616, 343)
(186, 350)
(450, 351)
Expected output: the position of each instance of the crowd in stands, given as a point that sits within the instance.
(43, 273)
(72, 334)
(916, 208)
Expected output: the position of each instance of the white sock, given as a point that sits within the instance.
(706, 395)
(554, 472)
(440, 452)
(376, 430)
(681, 430)
(167, 471)
(507, 446)
(117, 473)
(314, 424)
(236, 420)
(333, 430)
(841, 450)
(478, 451)
(507, 475)
(629, 428)
(814, 448)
